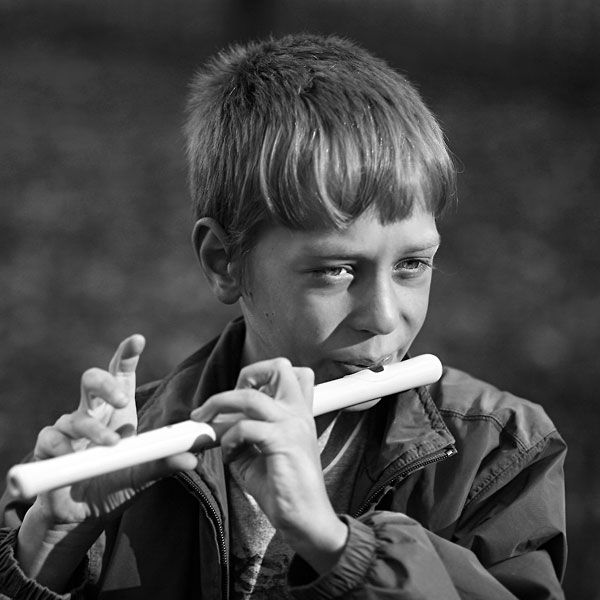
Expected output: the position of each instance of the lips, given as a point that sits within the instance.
(354, 365)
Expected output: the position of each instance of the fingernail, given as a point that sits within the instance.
(110, 437)
(198, 413)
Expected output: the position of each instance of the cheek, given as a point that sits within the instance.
(279, 315)
(303, 327)
(414, 306)
(321, 315)
(298, 329)
(423, 307)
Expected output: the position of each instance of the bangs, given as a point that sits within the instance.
(326, 173)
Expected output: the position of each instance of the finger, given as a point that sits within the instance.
(259, 436)
(139, 477)
(147, 473)
(248, 403)
(268, 438)
(80, 426)
(65, 436)
(126, 357)
(263, 375)
(306, 381)
(275, 377)
(125, 361)
(50, 443)
(186, 461)
(98, 388)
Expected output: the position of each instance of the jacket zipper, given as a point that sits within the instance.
(219, 526)
(427, 460)
(402, 474)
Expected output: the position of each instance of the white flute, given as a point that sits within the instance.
(29, 479)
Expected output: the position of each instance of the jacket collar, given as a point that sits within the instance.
(406, 432)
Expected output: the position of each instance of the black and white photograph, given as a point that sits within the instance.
(299, 299)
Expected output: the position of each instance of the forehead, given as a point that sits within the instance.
(365, 237)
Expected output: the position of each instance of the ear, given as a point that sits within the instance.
(210, 244)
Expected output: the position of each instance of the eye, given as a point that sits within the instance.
(332, 274)
(413, 267)
(333, 271)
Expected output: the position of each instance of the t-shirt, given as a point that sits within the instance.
(259, 557)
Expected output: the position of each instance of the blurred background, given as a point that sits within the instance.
(95, 219)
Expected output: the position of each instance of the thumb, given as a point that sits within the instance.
(306, 380)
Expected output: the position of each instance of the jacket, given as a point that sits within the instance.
(460, 495)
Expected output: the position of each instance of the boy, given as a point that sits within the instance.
(317, 175)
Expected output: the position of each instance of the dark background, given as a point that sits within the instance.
(95, 219)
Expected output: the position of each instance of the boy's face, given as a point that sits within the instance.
(339, 301)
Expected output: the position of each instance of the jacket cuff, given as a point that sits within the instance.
(349, 572)
(15, 584)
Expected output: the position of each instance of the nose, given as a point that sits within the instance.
(377, 310)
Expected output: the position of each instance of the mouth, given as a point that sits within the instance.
(360, 364)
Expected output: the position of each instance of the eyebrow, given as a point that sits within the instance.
(332, 250)
(426, 244)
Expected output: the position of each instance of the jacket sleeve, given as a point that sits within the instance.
(14, 584)
(508, 544)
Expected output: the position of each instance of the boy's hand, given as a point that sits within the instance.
(106, 413)
(62, 524)
(274, 447)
